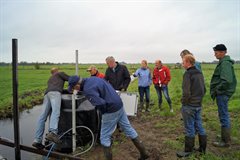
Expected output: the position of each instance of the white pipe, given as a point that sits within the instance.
(74, 121)
(74, 109)
(76, 65)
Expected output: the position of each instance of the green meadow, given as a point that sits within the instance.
(32, 83)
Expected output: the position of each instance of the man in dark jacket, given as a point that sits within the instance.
(193, 89)
(102, 95)
(51, 105)
(222, 86)
(117, 75)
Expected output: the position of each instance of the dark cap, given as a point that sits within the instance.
(72, 81)
(220, 47)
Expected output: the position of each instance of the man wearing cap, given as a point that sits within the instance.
(51, 107)
(94, 72)
(102, 95)
(222, 87)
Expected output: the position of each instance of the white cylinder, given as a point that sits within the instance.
(76, 65)
(73, 122)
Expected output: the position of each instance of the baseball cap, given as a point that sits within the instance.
(91, 67)
(72, 81)
(220, 47)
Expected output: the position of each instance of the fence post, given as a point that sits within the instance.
(15, 98)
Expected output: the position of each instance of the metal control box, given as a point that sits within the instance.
(130, 102)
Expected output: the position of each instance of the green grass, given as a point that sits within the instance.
(30, 80)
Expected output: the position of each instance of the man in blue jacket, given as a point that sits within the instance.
(102, 95)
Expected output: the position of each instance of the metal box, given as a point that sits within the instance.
(130, 102)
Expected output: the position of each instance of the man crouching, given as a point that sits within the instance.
(102, 95)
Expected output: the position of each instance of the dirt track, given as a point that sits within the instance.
(152, 136)
(162, 136)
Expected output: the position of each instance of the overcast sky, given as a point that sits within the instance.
(51, 31)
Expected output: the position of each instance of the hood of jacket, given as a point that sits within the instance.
(227, 58)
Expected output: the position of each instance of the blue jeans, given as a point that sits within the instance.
(51, 105)
(222, 103)
(164, 89)
(109, 123)
(192, 121)
(142, 91)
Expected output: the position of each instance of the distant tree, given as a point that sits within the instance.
(4, 64)
(36, 66)
(215, 62)
(124, 63)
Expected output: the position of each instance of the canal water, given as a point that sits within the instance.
(27, 124)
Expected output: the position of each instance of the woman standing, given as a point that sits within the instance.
(144, 82)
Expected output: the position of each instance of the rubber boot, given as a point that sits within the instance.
(141, 104)
(160, 106)
(170, 106)
(107, 153)
(139, 145)
(202, 143)
(225, 138)
(147, 107)
(188, 150)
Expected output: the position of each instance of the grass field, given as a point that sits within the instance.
(32, 84)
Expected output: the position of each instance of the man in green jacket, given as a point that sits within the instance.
(222, 87)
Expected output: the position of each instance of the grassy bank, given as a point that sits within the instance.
(31, 84)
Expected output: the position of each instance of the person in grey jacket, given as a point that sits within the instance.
(51, 107)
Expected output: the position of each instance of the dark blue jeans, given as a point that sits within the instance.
(222, 103)
(142, 91)
(192, 121)
(164, 89)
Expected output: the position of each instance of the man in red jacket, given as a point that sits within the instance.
(94, 72)
(161, 78)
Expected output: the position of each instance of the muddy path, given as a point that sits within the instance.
(162, 136)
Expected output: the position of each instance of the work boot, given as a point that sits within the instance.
(202, 143)
(225, 138)
(38, 145)
(188, 150)
(107, 153)
(139, 145)
(53, 137)
(147, 107)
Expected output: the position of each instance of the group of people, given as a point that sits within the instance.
(222, 86)
(119, 77)
(100, 90)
